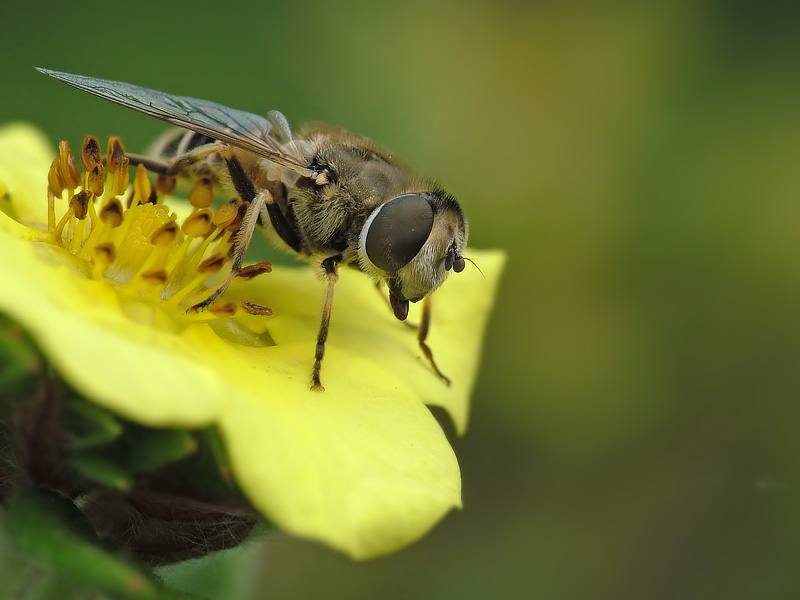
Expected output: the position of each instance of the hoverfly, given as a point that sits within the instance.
(330, 196)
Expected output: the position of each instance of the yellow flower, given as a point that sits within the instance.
(362, 467)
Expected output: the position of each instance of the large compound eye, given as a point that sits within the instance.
(397, 230)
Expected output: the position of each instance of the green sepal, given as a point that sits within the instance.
(88, 424)
(208, 469)
(46, 528)
(102, 470)
(143, 449)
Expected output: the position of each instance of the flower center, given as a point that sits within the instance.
(136, 244)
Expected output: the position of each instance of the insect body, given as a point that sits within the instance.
(328, 195)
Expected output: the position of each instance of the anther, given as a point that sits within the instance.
(111, 212)
(256, 309)
(121, 177)
(198, 224)
(116, 152)
(153, 198)
(155, 277)
(79, 204)
(251, 271)
(165, 184)
(91, 153)
(164, 235)
(105, 252)
(227, 212)
(219, 309)
(237, 221)
(69, 172)
(212, 264)
(54, 182)
(202, 194)
(96, 179)
(141, 187)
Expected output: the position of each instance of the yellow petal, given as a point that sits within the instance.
(24, 157)
(363, 466)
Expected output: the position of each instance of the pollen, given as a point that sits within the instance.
(145, 251)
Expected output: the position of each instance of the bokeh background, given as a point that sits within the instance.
(635, 424)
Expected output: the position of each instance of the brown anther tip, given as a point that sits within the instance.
(105, 252)
(237, 221)
(165, 184)
(198, 224)
(223, 309)
(116, 152)
(256, 309)
(212, 264)
(96, 180)
(227, 212)
(111, 213)
(251, 271)
(90, 152)
(164, 235)
(202, 194)
(79, 204)
(155, 277)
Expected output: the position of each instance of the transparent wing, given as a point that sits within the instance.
(270, 138)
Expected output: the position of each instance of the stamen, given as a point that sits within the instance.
(251, 271)
(154, 277)
(240, 214)
(141, 187)
(212, 264)
(256, 309)
(116, 155)
(164, 235)
(227, 212)
(223, 309)
(70, 175)
(91, 154)
(144, 252)
(198, 224)
(111, 213)
(120, 178)
(80, 204)
(96, 179)
(104, 255)
(166, 185)
(202, 194)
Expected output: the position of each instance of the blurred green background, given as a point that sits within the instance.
(634, 432)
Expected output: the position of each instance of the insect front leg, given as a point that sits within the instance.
(182, 165)
(422, 334)
(422, 331)
(329, 266)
